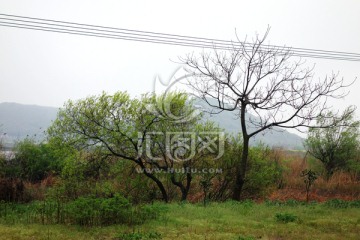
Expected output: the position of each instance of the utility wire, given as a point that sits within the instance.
(62, 30)
(124, 32)
(160, 38)
(84, 33)
(163, 34)
(143, 39)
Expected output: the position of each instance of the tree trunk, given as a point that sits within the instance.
(329, 172)
(184, 189)
(187, 188)
(241, 171)
(156, 180)
(184, 195)
(161, 187)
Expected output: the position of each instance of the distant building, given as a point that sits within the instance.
(9, 154)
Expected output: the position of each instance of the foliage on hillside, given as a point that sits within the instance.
(90, 173)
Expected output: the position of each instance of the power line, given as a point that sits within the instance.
(163, 34)
(160, 38)
(152, 41)
(83, 33)
(156, 40)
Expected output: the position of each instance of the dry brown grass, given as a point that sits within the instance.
(342, 185)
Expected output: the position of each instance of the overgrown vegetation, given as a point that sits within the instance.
(99, 147)
(84, 211)
(227, 220)
(337, 147)
(98, 168)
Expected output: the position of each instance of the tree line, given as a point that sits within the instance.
(146, 139)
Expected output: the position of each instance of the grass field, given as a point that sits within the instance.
(229, 220)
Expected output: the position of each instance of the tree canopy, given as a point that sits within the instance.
(144, 130)
(335, 146)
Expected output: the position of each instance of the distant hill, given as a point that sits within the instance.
(230, 122)
(19, 121)
(274, 138)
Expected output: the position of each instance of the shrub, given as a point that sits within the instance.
(355, 204)
(338, 203)
(12, 190)
(83, 211)
(115, 210)
(285, 217)
(263, 172)
(33, 161)
(139, 236)
(89, 211)
(246, 238)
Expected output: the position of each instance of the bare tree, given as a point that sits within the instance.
(264, 86)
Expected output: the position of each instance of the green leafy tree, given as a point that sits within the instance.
(175, 145)
(34, 161)
(336, 147)
(113, 124)
(119, 126)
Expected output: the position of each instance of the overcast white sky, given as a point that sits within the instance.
(48, 68)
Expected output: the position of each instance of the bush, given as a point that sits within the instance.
(290, 203)
(90, 211)
(12, 190)
(338, 203)
(246, 238)
(2, 163)
(139, 236)
(33, 161)
(285, 217)
(83, 211)
(263, 173)
(152, 211)
(115, 210)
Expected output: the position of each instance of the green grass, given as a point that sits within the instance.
(229, 220)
